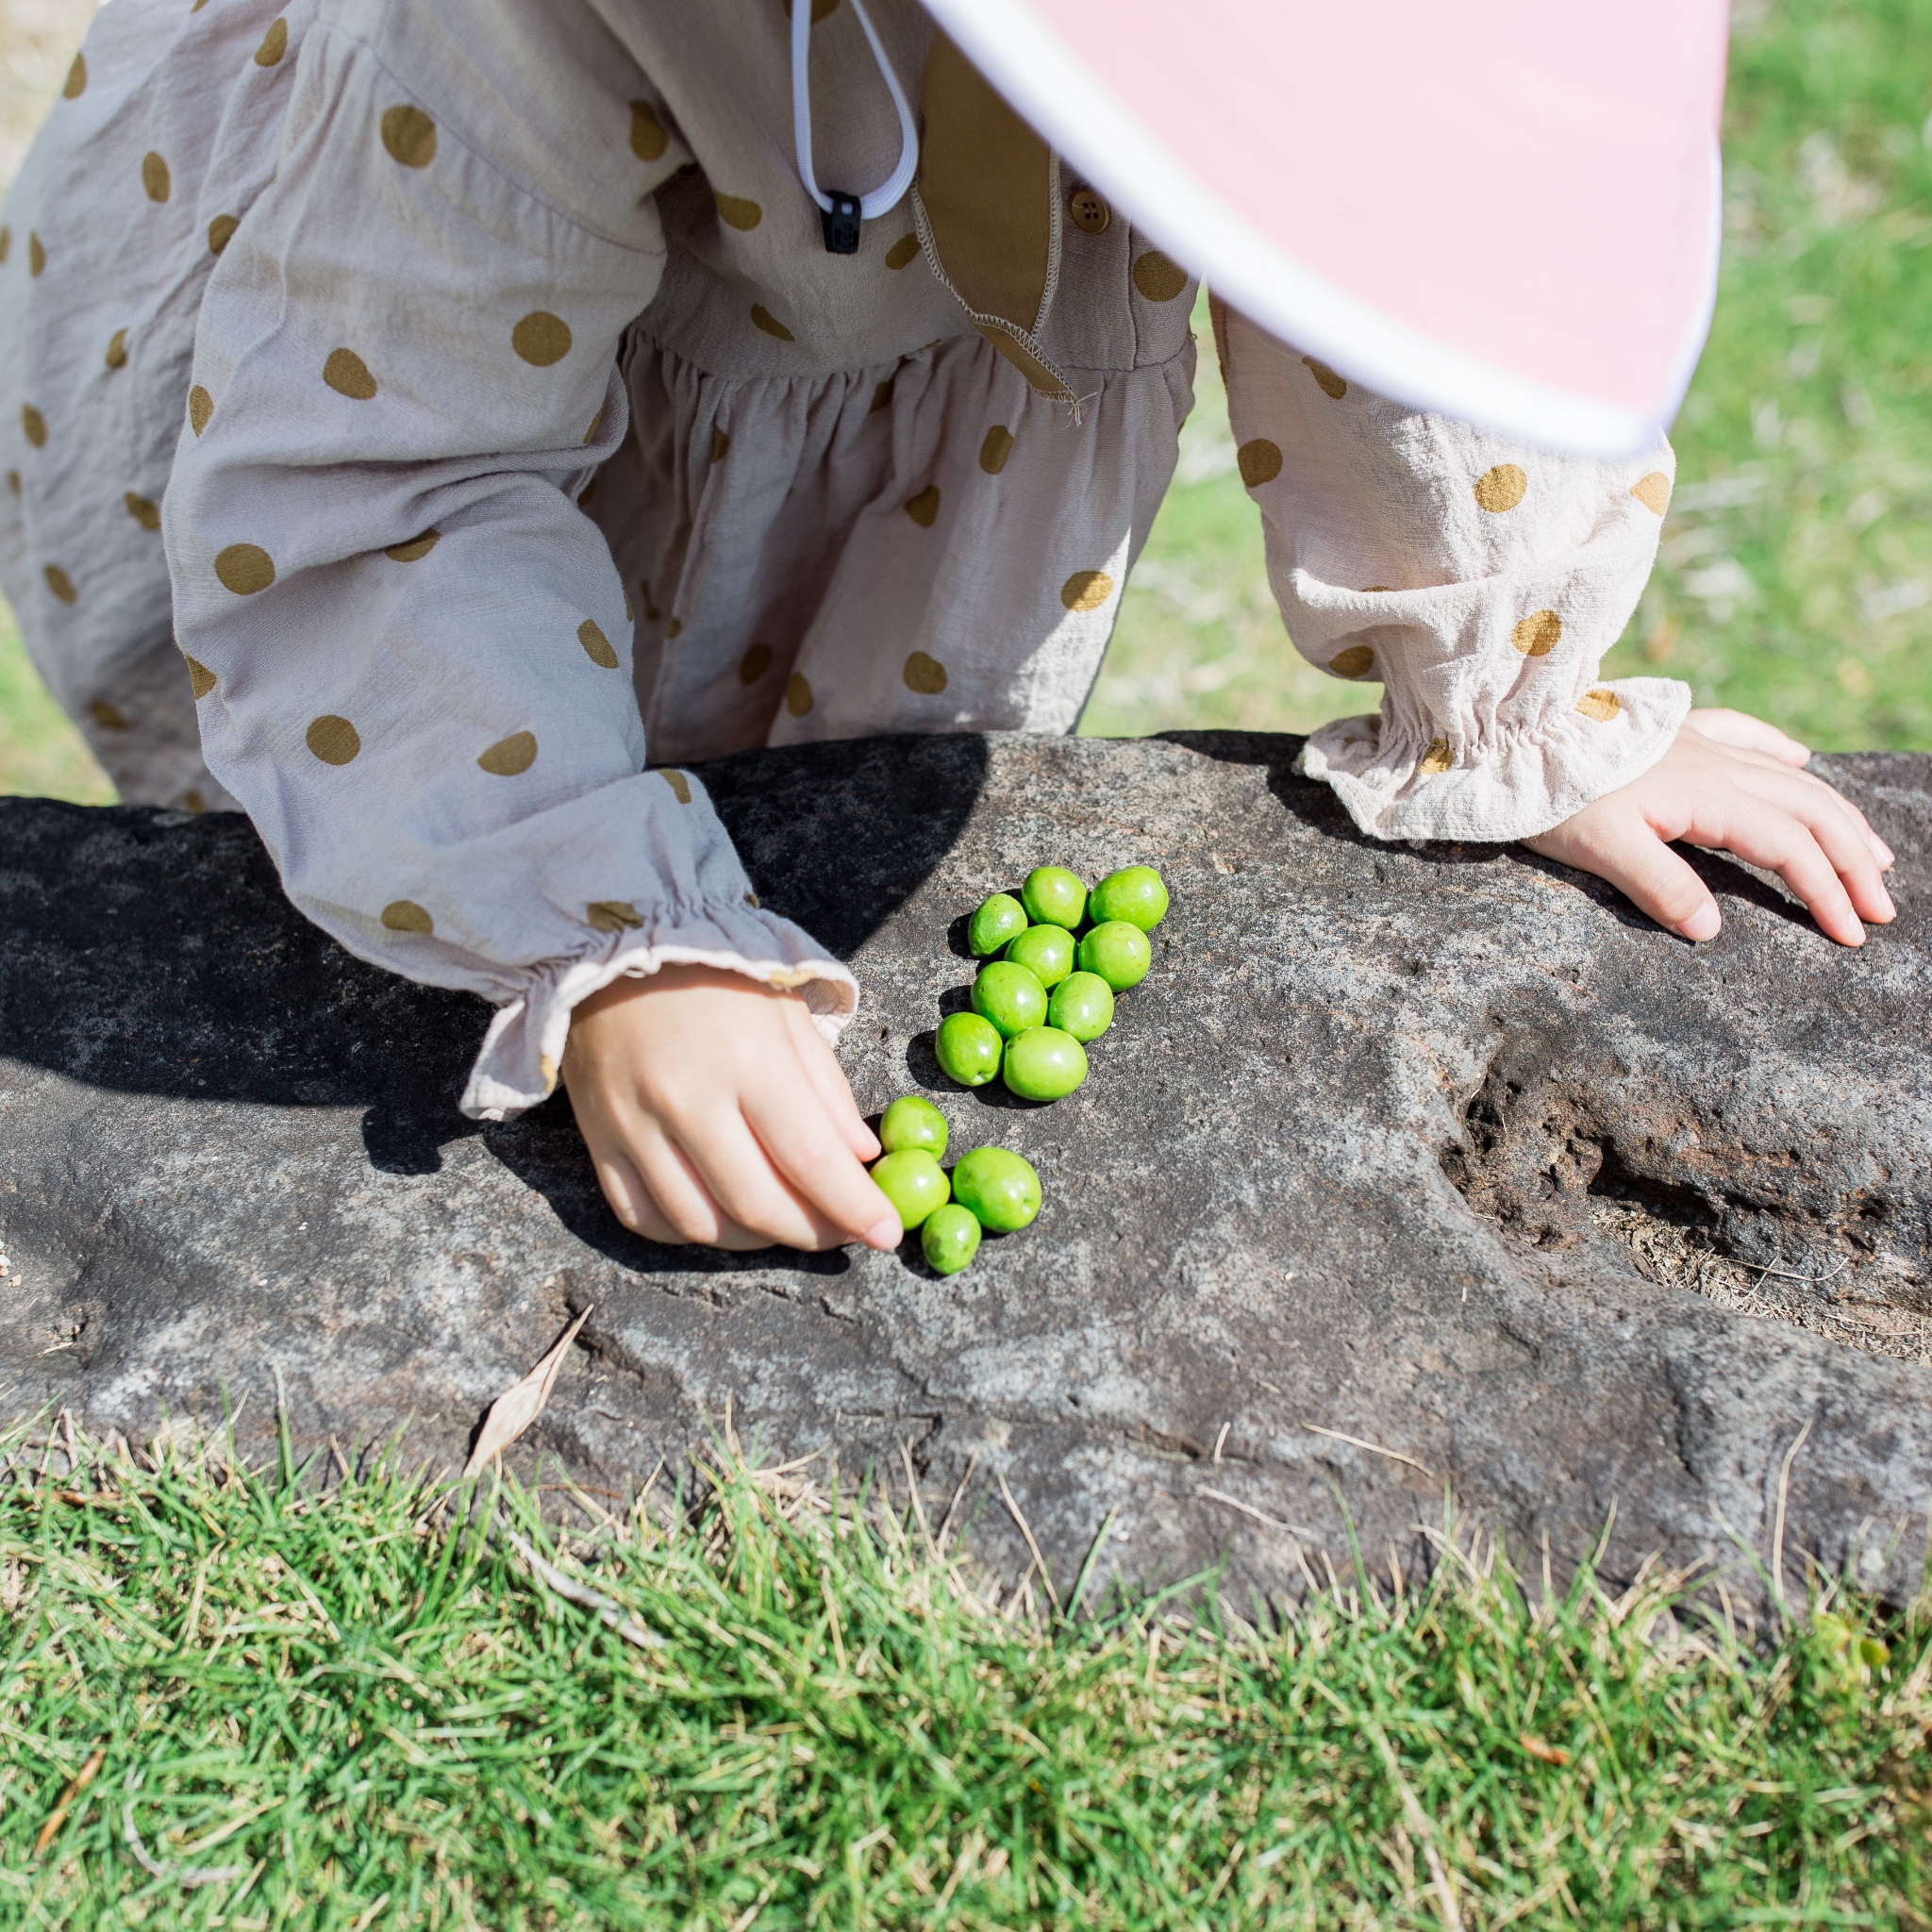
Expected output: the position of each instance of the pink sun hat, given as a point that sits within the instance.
(1504, 211)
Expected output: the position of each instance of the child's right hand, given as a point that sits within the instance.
(715, 1114)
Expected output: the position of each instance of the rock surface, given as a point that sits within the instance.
(1336, 1181)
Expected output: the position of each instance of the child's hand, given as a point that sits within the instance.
(1734, 783)
(715, 1114)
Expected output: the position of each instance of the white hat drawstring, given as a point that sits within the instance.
(839, 210)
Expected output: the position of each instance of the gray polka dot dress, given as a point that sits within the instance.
(429, 424)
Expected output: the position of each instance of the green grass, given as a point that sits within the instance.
(362, 1706)
(1796, 575)
(42, 754)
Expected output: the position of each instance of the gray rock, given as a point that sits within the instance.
(1358, 1165)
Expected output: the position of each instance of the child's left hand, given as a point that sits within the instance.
(1734, 784)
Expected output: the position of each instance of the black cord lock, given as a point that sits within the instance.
(840, 222)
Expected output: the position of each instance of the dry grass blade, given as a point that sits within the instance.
(1259, 1515)
(1373, 1448)
(76, 1785)
(1026, 1530)
(181, 1874)
(520, 1404)
(613, 1613)
(1784, 1490)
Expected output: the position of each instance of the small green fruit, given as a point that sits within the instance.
(1082, 1005)
(969, 1048)
(998, 920)
(1118, 951)
(1055, 896)
(1046, 952)
(950, 1237)
(1136, 893)
(913, 1182)
(1044, 1063)
(1010, 996)
(913, 1122)
(1001, 1189)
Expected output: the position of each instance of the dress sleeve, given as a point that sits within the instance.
(411, 649)
(1480, 581)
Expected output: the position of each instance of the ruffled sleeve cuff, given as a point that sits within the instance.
(1401, 778)
(523, 1047)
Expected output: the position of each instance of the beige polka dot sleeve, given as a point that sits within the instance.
(410, 649)
(1481, 581)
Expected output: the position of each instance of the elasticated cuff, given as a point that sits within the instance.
(523, 1048)
(1398, 783)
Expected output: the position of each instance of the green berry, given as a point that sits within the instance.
(1044, 1063)
(1136, 893)
(950, 1237)
(969, 1048)
(999, 919)
(1001, 1189)
(1118, 951)
(911, 1122)
(913, 1182)
(1054, 896)
(1082, 1005)
(1010, 997)
(1046, 952)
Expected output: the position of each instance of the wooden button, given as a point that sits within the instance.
(1091, 214)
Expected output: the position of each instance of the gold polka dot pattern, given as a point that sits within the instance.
(798, 695)
(1537, 635)
(674, 628)
(201, 406)
(405, 915)
(116, 356)
(201, 680)
(720, 443)
(648, 138)
(410, 135)
(762, 318)
(155, 176)
(924, 674)
(59, 584)
(1437, 760)
(245, 569)
(679, 784)
(415, 550)
(109, 717)
(76, 79)
(735, 212)
(1332, 386)
(1500, 489)
(1653, 491)
(333, 740)
(144, 512)
(925, 509)
(613, 915)
(902, 251)
(1159, 279)
(193, 801)
(347, 374)
(542, 338)
(1600, 703)
(508, 758)
(274, 43)
(997, 447)
(221, 231)
(596, 645)
(1356, 662)
(881, 397)
(1258, 460)
(33, 426)
(13, 482)
(754, 664)
(1086, 590)
(35, 254)
(6, 243)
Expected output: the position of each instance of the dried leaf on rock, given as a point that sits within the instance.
(520, 1404)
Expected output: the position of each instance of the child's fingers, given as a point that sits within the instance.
(1877, 847)
(829, 1083)
(630, 1200)
(1839, 833)
(1763, 835)
(1621, 848)
(806, 1146)
(1739, 732)
(680, 1183)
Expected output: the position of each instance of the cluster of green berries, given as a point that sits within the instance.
(989, 1189)
(1063, 953)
